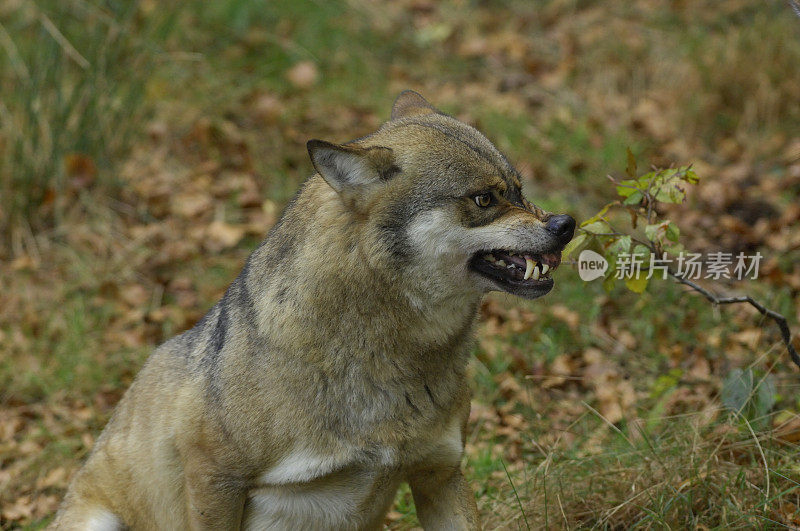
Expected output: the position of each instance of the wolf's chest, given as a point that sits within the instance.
(307, 490)
(347, 489)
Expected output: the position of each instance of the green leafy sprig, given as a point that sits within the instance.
(639, 195)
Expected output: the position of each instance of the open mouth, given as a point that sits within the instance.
(521, 273)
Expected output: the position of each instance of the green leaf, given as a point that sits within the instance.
(665, 184)
(574, 244)
(690, 176)
(613, 248)
(597, 227)
(634, 198)
(654, 232)
(673, 232)
(631, 168)
(644, 252)
(744, 392)
(637, 284)
(619, 246)
(627, 187)
(676, 248)
(670, 193)
(647, 180)
(598, 216)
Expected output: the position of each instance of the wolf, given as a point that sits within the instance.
(333, 368)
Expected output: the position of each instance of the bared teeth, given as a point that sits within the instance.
(531, 270)
(530, 265)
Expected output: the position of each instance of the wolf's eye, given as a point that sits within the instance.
(483, 200)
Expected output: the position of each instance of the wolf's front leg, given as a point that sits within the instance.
(213, 501)
(443, 499)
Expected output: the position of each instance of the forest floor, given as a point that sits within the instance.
(591, 409)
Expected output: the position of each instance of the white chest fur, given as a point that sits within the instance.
(301, 466)
(312, 490)
(348, 489)
(350, 499)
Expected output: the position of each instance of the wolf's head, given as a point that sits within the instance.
(441, 207)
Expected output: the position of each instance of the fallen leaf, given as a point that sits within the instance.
(224, 235)
(303, 75)
(21, 508)
(56, 477)
(134, 295)
(81, 170)
(563, 313)
(190, 205)
(268, 108)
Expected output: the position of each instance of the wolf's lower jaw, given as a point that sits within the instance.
(523, 274)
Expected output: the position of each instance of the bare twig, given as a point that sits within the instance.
(779, 319)
(617, 183)
(650, 201)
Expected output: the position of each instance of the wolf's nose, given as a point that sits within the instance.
(562, 227)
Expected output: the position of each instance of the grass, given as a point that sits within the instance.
(74, 75)
(683, 474)
(592, 409)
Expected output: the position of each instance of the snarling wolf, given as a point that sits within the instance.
(333, 368)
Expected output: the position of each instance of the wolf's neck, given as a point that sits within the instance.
(364, 313)
(312, 283)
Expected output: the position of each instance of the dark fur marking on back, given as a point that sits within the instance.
(285, 245)
(189, 338)
(280, 233)
(217, 338)
(243, 296)
(216, 341)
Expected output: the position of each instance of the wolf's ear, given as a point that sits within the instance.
(349, 167)
(410, 103)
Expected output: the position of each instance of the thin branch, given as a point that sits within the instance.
(779, 319)
(617, 183)
(650, 201)
(606, 233)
